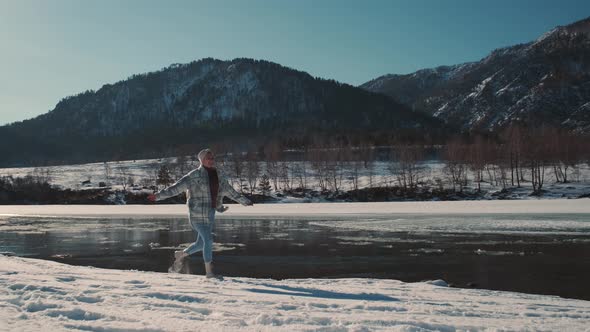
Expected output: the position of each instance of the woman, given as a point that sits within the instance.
(205, 190)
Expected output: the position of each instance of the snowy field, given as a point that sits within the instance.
(39, 295)
(380, 175)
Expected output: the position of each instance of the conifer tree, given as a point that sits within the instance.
(264, 185)
(164, 177)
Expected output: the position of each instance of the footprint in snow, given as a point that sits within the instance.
(137, 283)
(88, 299)
(65, 279)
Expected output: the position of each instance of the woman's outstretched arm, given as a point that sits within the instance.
(229, 191)
(176, 189)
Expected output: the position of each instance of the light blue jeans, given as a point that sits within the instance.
(204, 240)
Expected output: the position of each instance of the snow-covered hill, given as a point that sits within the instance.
(543, 81)
(205, 101)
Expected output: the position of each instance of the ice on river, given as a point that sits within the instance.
(526, 224)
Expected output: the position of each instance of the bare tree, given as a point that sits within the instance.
(317, 159)
(367, 155)
(334, 167)
(566, 153)
(298, 174)
(252, 170)
(351, 156)
(477, 159)
(222, 164)
(355, 172)
(454, 155)
(406, 166)
(513, 137)
(124, 177)
(304, 169)
(107, 173)
(273, 155)
(238, 168)
(146, 182)
(497, 164)
(42, 174)
(537, 156)
(284, 178)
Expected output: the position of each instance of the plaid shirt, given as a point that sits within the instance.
(198, 194)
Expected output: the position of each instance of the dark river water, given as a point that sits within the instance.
(547, 254)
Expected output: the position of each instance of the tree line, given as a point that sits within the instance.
(515, 156)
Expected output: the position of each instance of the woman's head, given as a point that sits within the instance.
(207, 158)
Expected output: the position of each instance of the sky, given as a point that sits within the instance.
(53, 49)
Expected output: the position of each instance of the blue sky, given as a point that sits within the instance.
(53, 49)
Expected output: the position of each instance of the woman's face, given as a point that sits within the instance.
(209, 160)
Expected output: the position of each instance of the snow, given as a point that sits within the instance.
(39, 295)
(181, 81)
(513, 85)
(247, 82)
(456, 70)
(480, 87)
(378, 83)
(446, 73)
(529, 207)
(544, 36)
(71, 176)
(441, 110)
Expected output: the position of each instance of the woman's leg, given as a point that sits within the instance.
(195, 246)
(208, 253)
(205, 233)
(204, 240)
(207, 241)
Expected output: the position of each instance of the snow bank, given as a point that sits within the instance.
(313, 209)
(37, 295)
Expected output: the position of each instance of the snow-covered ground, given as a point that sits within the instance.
(380, 175)
(532, 207)
(37, 295)
(72, 176)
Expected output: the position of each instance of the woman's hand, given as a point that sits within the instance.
(222, 209)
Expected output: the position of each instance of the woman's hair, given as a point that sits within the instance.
(201, 155)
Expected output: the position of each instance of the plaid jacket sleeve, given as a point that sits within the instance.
(229, 191)
(176, 189)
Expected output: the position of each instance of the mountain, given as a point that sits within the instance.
(199, 103)
(546, 81)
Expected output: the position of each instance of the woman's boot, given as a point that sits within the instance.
(209, 271)
(180, 254)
